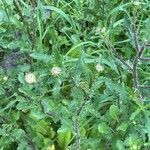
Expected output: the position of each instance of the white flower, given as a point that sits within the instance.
(5, 78)
(98, 29)
(30, 78)
(136, 3)
(56, 71)
(103, 30)
(99, 68)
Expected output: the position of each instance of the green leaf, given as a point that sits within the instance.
(2, 91)
(118, 23)
(64, 137)
(42, 57)
(103, 128)
(21, 78)
(3, 16)
(123, 126)
(120, 145)
(74, 49)
(59, 11)
(11, 104)
(24, 106)
(36, 113)
(9, 2)
(18, 133)
(77, 94)
(135, 114)
(114, 112)
(119, 8)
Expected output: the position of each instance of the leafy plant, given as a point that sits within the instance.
(74, 75)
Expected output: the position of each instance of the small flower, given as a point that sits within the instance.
(103, 30)
(30, 78)
(98, 29)
(136, 3)
(56, 71)
(5, 78)
(99, 68)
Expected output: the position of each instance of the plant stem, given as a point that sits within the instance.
(135, 64)
(135, 37)
(22, 19)
(144, 58)
(33, 3)
(77, 131)
(118, 56)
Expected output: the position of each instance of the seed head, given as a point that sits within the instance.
(136, 3)
(99, 68)
(5, 78)
(55, 71)
(30, 78)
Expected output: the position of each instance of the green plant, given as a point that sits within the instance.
(74, 75)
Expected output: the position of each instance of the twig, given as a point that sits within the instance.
(4, 4)
(135, 64)
(33, 23)
(139, 52)
(77, 131)
(83, 104)
(22, 19)
(118, 56)
(147, 44)
(144, 58)
(144, 86)
(76, 122)
(135, 38)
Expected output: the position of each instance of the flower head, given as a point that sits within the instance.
(99, 68)
(136, 3)
(30, 78)
(5, 78)
(103, 30)
(56, 71)
(98, 29)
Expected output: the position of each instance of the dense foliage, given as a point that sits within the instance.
(75, 75)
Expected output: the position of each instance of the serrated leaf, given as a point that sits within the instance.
(114, 112)
(77, 94)
(123, 126)
(135, 114)
(41, 57)
(120, 145)
(64, 137)
(37, 114)
(18, 133)
(103, 128)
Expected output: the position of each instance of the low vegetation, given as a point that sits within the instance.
(74, 75)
